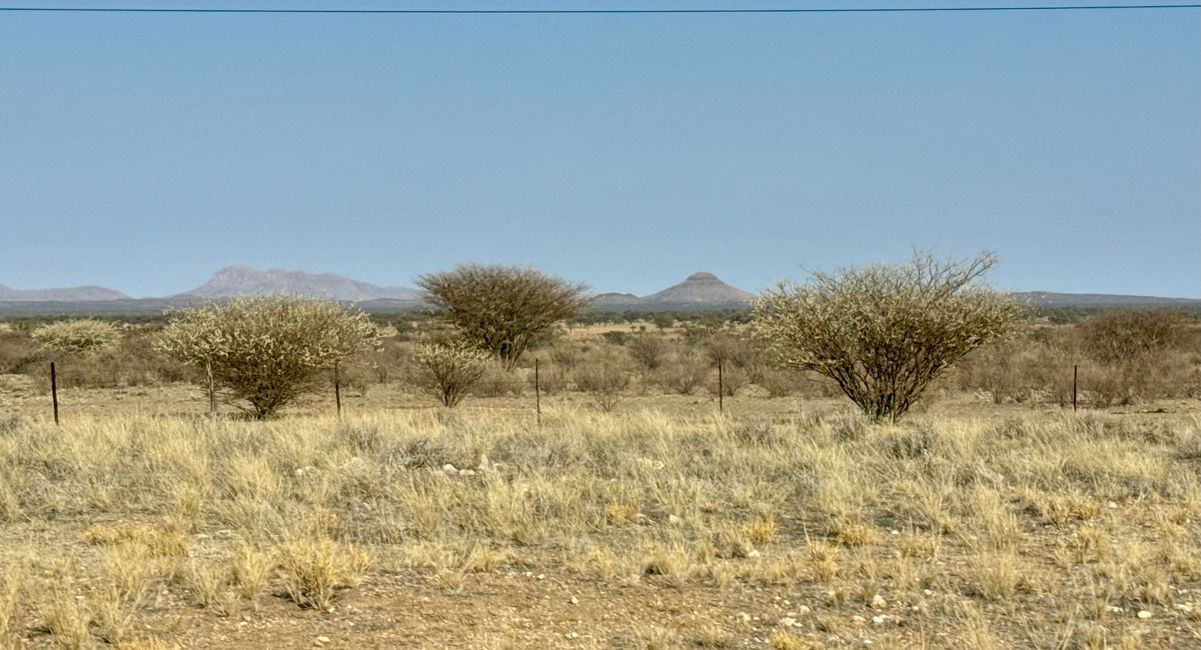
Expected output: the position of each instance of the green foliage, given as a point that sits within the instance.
(502, 309)
(884, 332)
(266, 351)
(76, 336)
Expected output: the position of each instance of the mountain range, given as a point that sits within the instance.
(697, 291)
(238, 280)
(68, 294)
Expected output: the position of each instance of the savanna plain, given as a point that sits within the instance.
(631, 513)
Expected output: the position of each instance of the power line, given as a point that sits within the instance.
(737, 10)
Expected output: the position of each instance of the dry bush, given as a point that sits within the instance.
(314, 570)
(552, 379)
(648, 349)
(266, 351)
(450, 371)
(497, 382)
(391, 361)
(132, 361)
(1123, 334)
(18, 352)
(74, 337)
(565, 354)
(684, 373)
(883, 333)
(733, 379)
(605, 378)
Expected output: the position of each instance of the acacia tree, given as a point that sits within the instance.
(884, 332)
(502, 309)
(265, 351)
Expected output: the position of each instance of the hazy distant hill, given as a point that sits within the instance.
(233, 281)
(67, 294)
(698, 290)
(1050, 299)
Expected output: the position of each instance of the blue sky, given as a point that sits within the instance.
(143, 152)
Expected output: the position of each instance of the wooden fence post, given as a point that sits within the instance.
(537, 393)
(54, 391)
(337, 389)
(721, 389)
(208, 374)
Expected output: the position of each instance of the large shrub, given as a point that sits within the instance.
(266, 351)
(884, 332)
(502, 309)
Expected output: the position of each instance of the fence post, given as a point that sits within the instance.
(1075, 377)
(721, 389)
(537, 393)
(208, 373)
(337, 389)
(54, 391)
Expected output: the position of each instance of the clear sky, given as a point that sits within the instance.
(143, 152)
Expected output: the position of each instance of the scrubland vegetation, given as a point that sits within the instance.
(630, 512)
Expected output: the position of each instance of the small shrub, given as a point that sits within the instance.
(685, 372)
(648, 349)
(605, 381)
(449, 371)
(76, 336)
(313, 571)
(616, 337)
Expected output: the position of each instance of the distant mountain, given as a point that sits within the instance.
(697, 291)
(234, 281)
(67, 294)
(615, 299)
(702, 288)
(1050, 299)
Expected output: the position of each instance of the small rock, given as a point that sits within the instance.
(542, 576)
(466, 472)
(1111, 505)
(802, 610)
(321, 640)
(879, 619)
(787, 621)
(744, 617)
(572, 635)
(575, 601)
(450, 470)
(674, 520)
(878, 602)
(1142, 613)
(753, 553)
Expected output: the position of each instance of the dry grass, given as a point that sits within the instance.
(1020, 529)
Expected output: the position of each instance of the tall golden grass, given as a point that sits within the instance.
(983, 530)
